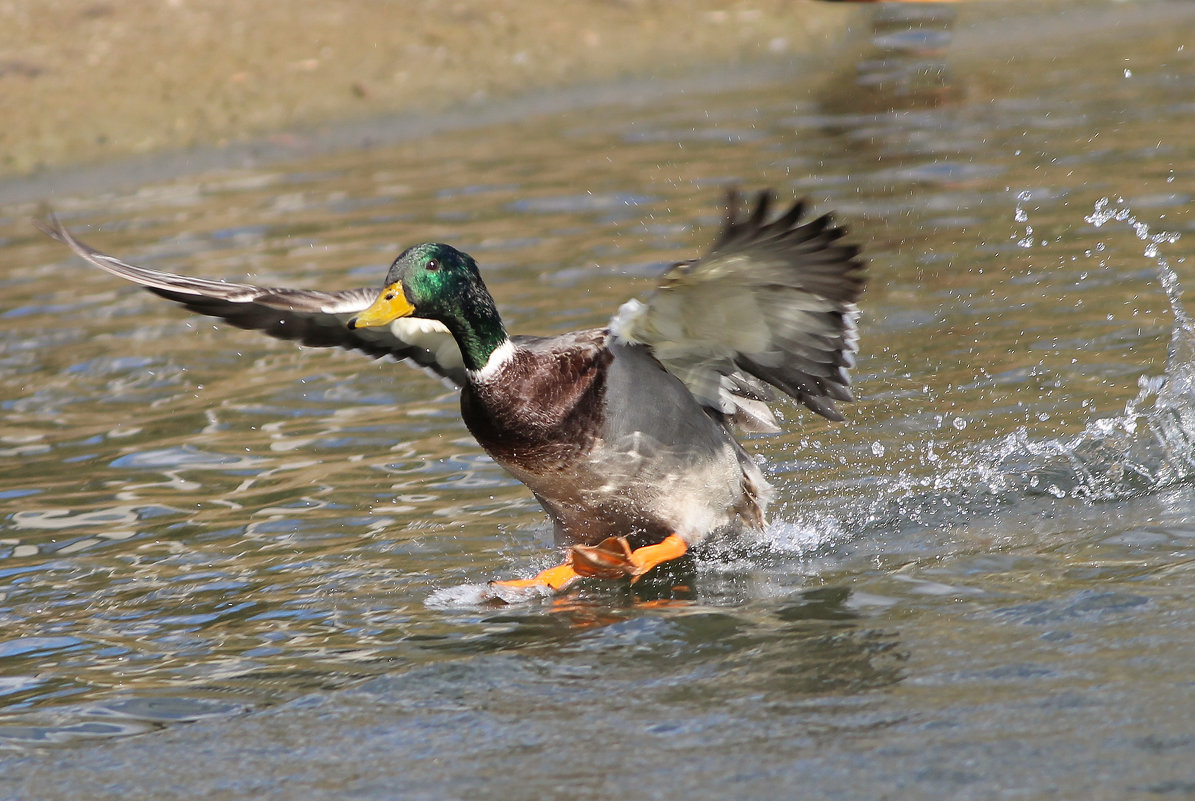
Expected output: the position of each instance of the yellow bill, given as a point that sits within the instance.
(389, 306)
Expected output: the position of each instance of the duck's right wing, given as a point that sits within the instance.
(309, 317)
(771, 305)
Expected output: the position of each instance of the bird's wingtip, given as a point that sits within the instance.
(46, 220)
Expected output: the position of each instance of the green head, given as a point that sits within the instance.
(438, 282)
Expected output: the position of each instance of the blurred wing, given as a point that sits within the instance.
(309, 317)
(771, 305)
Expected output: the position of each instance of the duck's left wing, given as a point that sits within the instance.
(309, 317)
(771, 305)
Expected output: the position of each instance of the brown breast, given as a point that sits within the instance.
(545, 405)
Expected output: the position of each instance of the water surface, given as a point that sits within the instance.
(978, 585)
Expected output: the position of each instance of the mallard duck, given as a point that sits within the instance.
(623, 433)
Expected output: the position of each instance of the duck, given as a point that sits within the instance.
(626, 433)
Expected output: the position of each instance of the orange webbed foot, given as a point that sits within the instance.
(548, 582)
(609, 559)
(613, 557)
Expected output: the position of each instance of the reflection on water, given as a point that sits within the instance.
(203, 526)
(909, 65)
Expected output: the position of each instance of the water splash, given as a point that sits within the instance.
(1021, 216)
(1150, 445)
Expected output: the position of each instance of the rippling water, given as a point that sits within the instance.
(978, 584)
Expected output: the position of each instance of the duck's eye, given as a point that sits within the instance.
(389, 296)
(432, 265)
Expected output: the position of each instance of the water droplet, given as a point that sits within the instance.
(877, 448)
(960, 423)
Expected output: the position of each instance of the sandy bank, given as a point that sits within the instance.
(86, 81)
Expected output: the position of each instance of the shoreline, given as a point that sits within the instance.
(1014, 25)
(122, 172)
(85, 82)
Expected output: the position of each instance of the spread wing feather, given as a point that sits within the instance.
(310, 317)
(772, 304)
